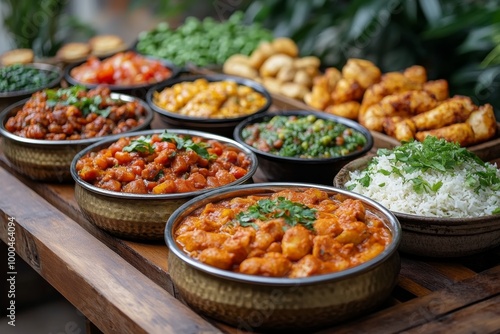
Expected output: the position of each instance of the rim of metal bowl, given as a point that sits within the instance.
(268, 115)
(106, 142)
(116, 96)
(211, 78)
(269, 187)
(39, 66)
(174, 73)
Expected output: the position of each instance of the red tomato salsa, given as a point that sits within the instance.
(124, 68)
(163, 164)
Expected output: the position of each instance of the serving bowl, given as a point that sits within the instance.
(252, 302)
(50, 160)
(435, 236)
(141, 216)
(137, 90)
(278, 168)
(8, 98)
(220, 126)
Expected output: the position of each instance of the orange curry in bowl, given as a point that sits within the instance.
(289, 233)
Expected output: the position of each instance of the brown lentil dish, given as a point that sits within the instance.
(163, 164)
(204, 99)
(290, 233)
(75, 113)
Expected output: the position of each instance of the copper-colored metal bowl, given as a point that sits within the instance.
(291, 169)
(251, 302)
(434, 236)
(220, 126)
(140, 216)
(50, 160)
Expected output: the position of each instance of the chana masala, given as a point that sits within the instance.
(163, 164)
(75, 113)
(204, 99)
(290, 233)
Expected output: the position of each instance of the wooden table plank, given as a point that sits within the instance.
(107, 289)
(431, 307)
(484, 317)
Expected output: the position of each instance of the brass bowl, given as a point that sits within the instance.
(139, 216)
(437, 237)
(49, 160)
(291, 169)
(256, 302)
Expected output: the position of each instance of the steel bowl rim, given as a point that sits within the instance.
(185, 208)
(432, 221)
(40, 66)
(130, 196)
(51, 143)
(211, 78)
(166, 63)
(306, 161)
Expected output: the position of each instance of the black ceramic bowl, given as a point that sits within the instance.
(139, 90)
(8, 98)
(290, 169)
(220, 126)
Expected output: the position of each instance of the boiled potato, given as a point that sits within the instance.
(303, 78)
(273, 64)
(286, 74)
(286, 46)
(261, 54)
(240, 69)
(293, 90)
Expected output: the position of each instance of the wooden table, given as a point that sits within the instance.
(124, 287)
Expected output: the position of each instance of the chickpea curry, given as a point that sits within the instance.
(163, 163)
(75, 113)
(203, 99)
(290, 233)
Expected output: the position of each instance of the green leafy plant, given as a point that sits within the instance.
(41, 25)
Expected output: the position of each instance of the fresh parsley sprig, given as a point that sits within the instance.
(70, 96)
(188, 144)
(266, 209)
(143, 145)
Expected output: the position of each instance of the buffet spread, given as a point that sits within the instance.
(266, 177)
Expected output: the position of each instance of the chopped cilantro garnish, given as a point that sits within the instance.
(70, 96)
(266, 209)
(143, 145)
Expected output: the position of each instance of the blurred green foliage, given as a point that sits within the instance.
(455, 40)
(41, 25)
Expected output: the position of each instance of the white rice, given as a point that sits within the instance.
(454, 199)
